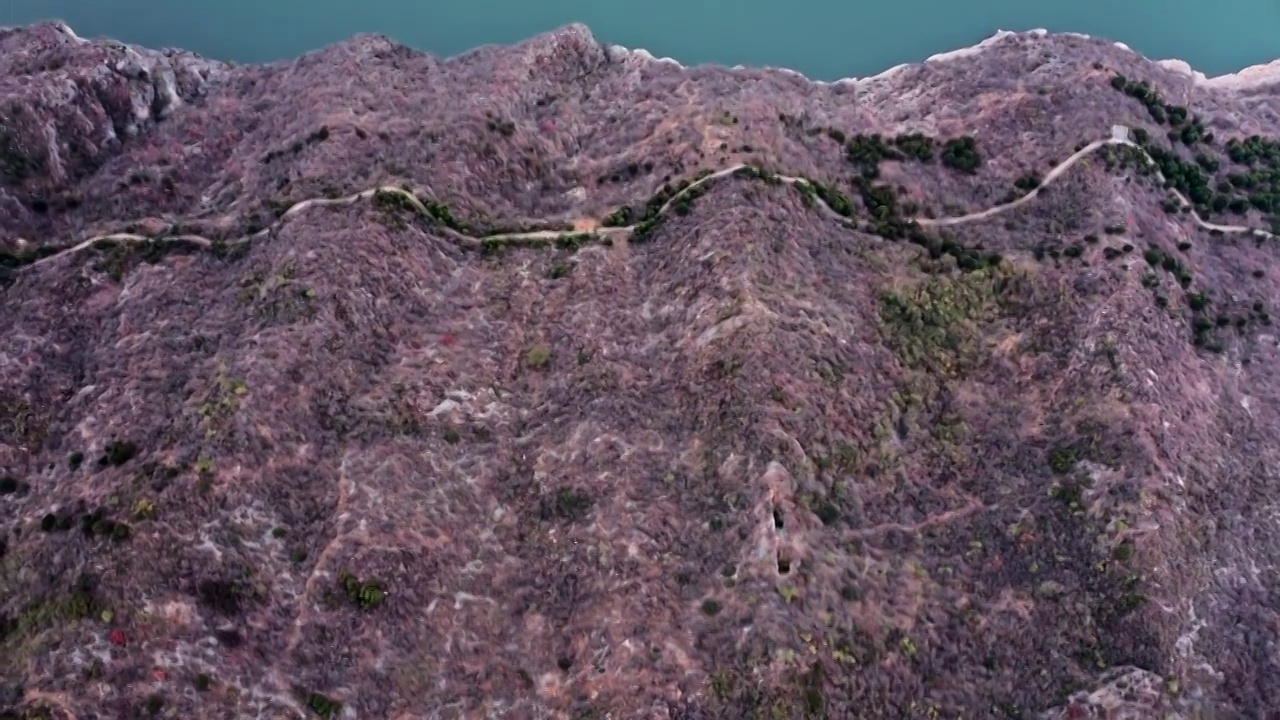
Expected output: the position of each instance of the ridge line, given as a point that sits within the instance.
(420, 207)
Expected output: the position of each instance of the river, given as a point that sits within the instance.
(824, 39)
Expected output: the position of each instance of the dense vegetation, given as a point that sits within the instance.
(1254, 184)
(962, 154)
(866, 152)
(1183, 125)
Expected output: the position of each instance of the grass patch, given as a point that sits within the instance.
(936, 324)
(538, 357)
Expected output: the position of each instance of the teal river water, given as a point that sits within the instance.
(825, 39)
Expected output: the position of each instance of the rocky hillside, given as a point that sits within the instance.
(556, 381)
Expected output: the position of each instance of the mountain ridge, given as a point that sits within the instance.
(556, 421)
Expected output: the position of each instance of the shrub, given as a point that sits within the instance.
(119, 453)
(1062, 459)
(961, 154)
(1123, 551)
(567, 504)
(537, 357)
(645, 228)
(322, 705)
(221, 596)
(827, 512)
(1028, 182)
(915, 145)
(618, 218)
(365, 595)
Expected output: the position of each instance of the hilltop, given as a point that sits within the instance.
(555, 380)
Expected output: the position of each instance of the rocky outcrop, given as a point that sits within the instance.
(71, 104)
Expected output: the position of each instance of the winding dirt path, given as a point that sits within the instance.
(1118, 138)
(1054, 174)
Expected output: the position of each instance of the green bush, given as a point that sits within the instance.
(322, 705)
(366, 595)
(618, 218)
(916, 145)
(119, 453)
(827, 512)
(568, 504)
(961, 154)
(1028, 182)
(1062, 459)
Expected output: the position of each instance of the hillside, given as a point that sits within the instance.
(557, 381)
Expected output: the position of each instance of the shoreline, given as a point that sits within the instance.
(1246, 78)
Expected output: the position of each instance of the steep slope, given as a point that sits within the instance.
(619, 389)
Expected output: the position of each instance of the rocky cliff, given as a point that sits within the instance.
(558, 381)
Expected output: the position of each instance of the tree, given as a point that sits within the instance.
(961, 154)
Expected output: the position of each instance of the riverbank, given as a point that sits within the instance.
(1247, 78)
(828, 41)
